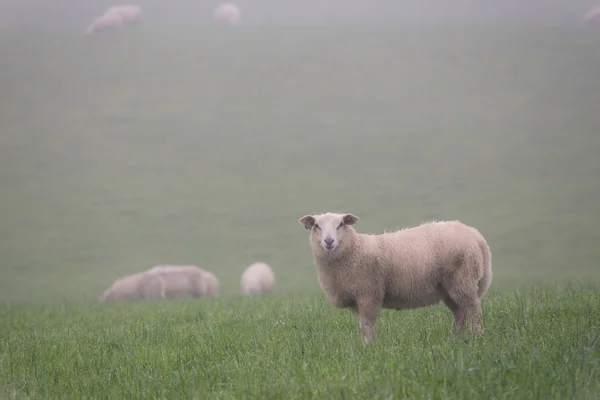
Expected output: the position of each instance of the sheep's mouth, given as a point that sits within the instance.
(329, 247)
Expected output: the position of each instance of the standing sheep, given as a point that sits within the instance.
(137, 286)
(409, 268)
(186, 280)
(257, 280)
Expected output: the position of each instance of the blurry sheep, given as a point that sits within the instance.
(257, 280)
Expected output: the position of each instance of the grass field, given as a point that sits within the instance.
(205, 146)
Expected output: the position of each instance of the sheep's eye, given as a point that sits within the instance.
(340, 225)
(317, 226)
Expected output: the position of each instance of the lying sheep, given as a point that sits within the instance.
(137, 286)
(164, 282)
(409, 268)
(257, 280)
(186, 280)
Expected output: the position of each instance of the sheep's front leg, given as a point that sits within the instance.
(367, 312)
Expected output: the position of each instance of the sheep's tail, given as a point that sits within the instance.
(486, 279)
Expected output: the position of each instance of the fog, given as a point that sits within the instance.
(74, 14)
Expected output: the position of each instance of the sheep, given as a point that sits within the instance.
(137, 286)
(103, 23)
(228, 13)
(116, 17)
(211, 286)
(413, 267)
(257, 280)
(186, 280)
(130, 14)
(592, 17)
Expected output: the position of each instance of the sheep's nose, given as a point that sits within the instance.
(328, 241)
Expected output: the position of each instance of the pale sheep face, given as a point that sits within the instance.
(328, 229)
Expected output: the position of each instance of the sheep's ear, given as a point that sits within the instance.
(308, 221)
(350, 219)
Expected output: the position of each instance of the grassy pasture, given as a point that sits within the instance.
(541, 343)
(206, 145)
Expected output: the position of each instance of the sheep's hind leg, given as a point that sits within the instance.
(469, 307)
(459, 315)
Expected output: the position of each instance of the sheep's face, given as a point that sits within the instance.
(328, 229)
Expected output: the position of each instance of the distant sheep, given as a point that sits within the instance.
(164, 282)
(257, 280)
(409, 268)
(186, 280)
(137, 286)
(592, 17)
(130, 14)
(228, 13)
(104, 23)
(116, 17)
(211, 286)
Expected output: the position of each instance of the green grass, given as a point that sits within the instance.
(541, 343)
(206, 145)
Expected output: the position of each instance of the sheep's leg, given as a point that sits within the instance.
(354, 310)
(468, 306)
(458, 312)
(367, 316)
(475, 318)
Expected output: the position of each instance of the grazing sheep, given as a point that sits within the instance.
(409, 268)
(186, 280)
(228, 13)
(592, 17)
(130, 14)
(116, 17)
(104, 23)
(211, 286)
(137, 286)
(257, 280)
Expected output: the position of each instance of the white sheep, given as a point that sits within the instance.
(413, 267)
(211, 286)
(257, 280)
(228, 13)
(186, 280)
(164, 282)
(103, 23)
(130, 14)
(137, 286)
(592, 17)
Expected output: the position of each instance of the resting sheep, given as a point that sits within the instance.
(228, 13)
(186, 280)
(137, 286)
(257, 280)
(408, 268)
(164, 282)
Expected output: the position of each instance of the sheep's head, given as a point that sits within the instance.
(329, 229)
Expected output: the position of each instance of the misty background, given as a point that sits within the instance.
(179, 141)
(71, 14)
